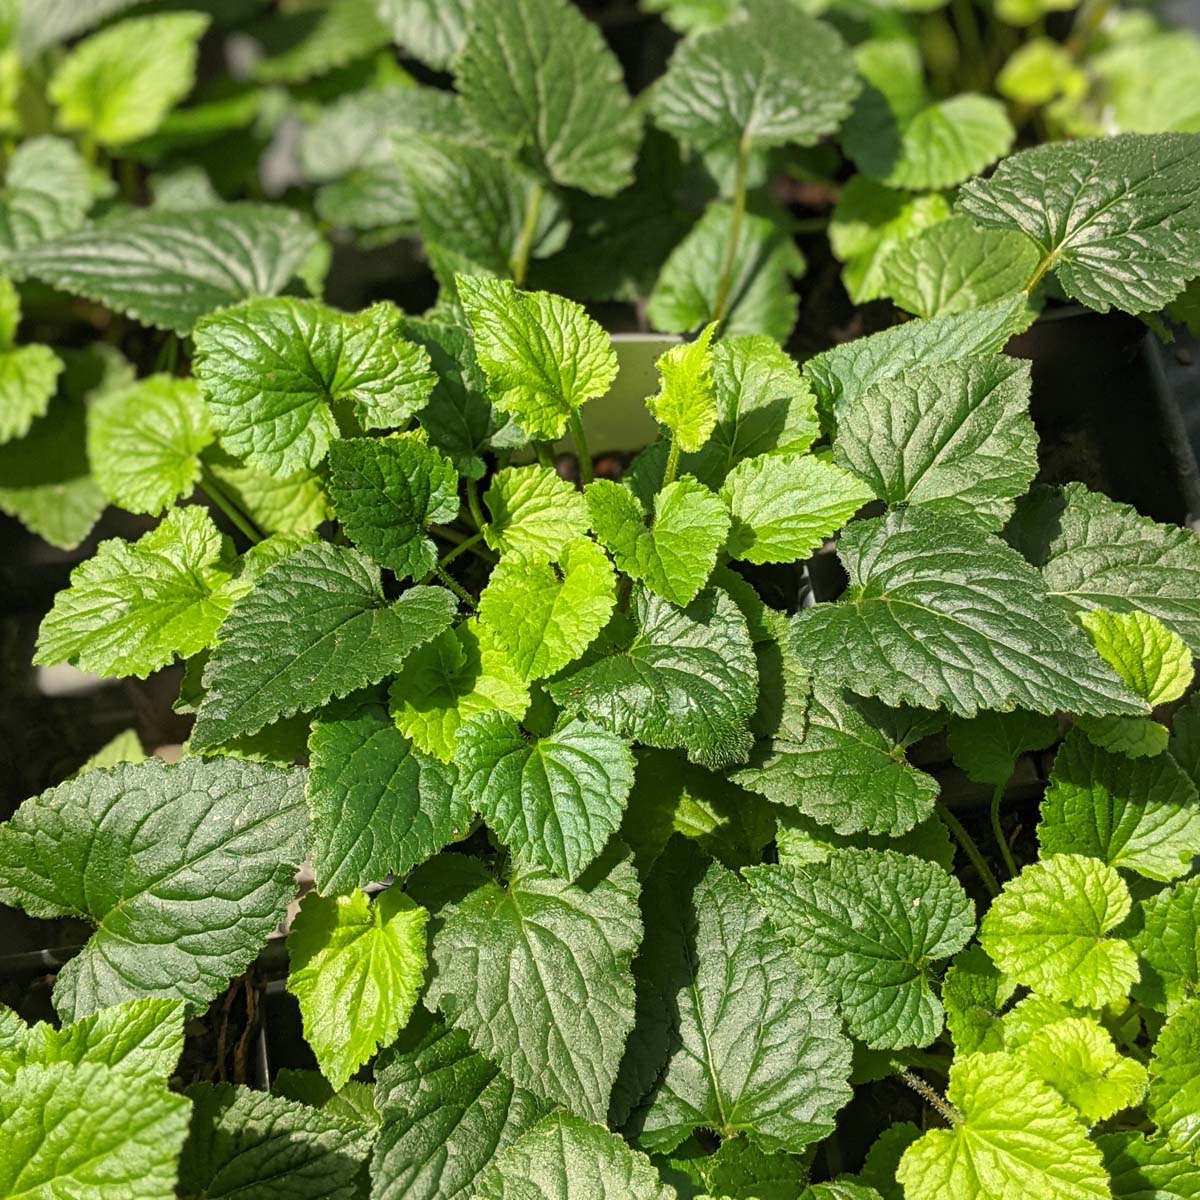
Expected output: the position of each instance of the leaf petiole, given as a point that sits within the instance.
(213, 490)
(967, 842)
(998, 831)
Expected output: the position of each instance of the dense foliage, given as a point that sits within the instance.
(619, 871)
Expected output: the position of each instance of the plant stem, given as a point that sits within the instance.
(474, 505)
(970, 46)
(672, 463)
(1009, 863)
(457, 588)
(932, 1097)
(581, 448)
(461, 548)
(519, 263)
(545, 454)
(1087, 25)
(964, 839)
(213, 490)
(735, 232)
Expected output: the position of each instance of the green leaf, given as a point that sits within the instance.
(294, 503)
(379, 805)
(688, 680)
(538, 79)
(535, 513)
(83, 1130)
(432, 30)
(867, 924)
(144, 442)
(554, 801)
(1110, 216)
(1048, 929)
(973, 993)
(839, 376)
(447, 1112)
(247, 1143)
(169, 269)
(785, 505)
(386, 492)
(1175, 1079)
(1016, 1136)
(536, 973)
(543, 355)
(336, 634)
(357, 968)
(47, 192)
(987, 745)
(685, 402)
(675, 555)
(28, 381)
(770, 76)
(955, 266)
(1140, 814)
(318, 38)
(126, 746)
(209, 852)
(746, 1042)
(565, 1158)
(1155, 662)
(458, 675)
(942, 616)
(542, 618)
(954, 438)
(1146, 1169)
(869, 224)
(271, 369)
(1169, 946)
(355, 1102)
(1096, 553)
(759, 296)
(119, 84)
(936, 147)
(136, 605)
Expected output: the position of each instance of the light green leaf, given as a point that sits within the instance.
(1174, 1100)
(119, 84)
(687, 680)
(675, 555)
(565, 1158)
(458, 675)
(431, 30)
(974, 993)
(987, 745)
(536, 973)
(1110, 216)
(554, 801)
(955, 266)
(685, 402)
(126, 746)
(1148, 1169)
(379, 805)
(869, 223)
(538, 79)
(83, 1130)
(955, 438)
(144, 442)
(209, 853)
(357, 968)
(867, 924)
(942, 616)
(535, 513)
(1049, 927)
(746, 1042)
(1155, 662)
(355, 1102)
(315, 626)
(386, 492)
(135, 606)
(785, 505)
(246, 1143)
(271, 369)
(1016, 1137)
(28, 381)
(447, 1112)
(169, 269)
(1169, 946)
(542, 618)
(1141, 814)
(543, 355)
(47, 192)
(758, 297)
(275, 503)
(769, 76)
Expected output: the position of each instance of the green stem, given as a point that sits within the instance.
(932, 1098)
(970, 46)
(474, 505)
(1009, 863)
(964, 839)
(213, 490)
(672, 463)
(518, 265)
(735, 232)
(581, 447)
(1087, 24)
(545, 454)
(461, 548)
(457, 588)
